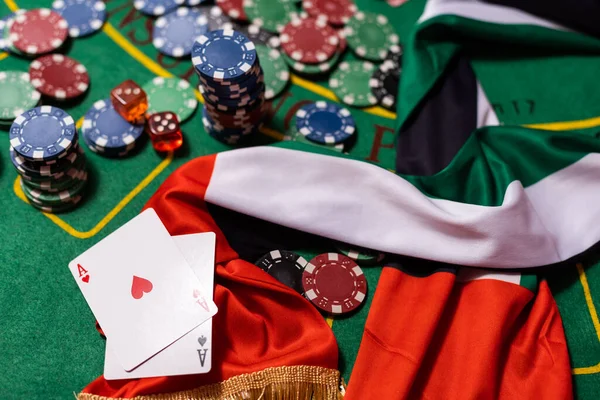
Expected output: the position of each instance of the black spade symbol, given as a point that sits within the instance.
(202, 340)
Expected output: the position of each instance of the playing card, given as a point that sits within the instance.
(141, 289)
(192, 353)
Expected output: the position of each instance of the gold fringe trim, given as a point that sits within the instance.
(301, 382)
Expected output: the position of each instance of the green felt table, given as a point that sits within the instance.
(49, 347)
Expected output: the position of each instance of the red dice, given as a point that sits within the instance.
(130, 101)
(164, 131)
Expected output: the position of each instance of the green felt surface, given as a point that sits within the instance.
(48, 343)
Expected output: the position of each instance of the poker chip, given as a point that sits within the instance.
(157, 7)
(350, 83)
(233, 8)
(4, 42)
(337, 12)
(324, 122)
(370, 35)
(42, 170)
(57, 185)
(258, 35)
(106, 132)
(300, 138)
(43, 133)
(84, 17)
(312, 69)
(64, 207)
(285, 266)
(17, 94)
(334, 283)
(59, 76)
(309, 40)
(174, 34)
(359, 254)
(171, 94)
(276, 72)
(223, 54)
(216, 17)
(44, 198)
(384, 84)
(38, 31)
(395, 54)
(268, 14)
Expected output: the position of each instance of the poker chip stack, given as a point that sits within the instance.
(44, 149)
(232, 84)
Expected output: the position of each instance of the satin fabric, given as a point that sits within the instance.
(260, 324)
(436, 338)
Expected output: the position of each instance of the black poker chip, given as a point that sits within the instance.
(285, 266)
(384, 84)
(395, 54)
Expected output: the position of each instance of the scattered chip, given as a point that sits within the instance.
(171, 94)
(43, 133)
(83, 16)
(59, 76)
(38, 31)
(285, 266)
(17, 94)
(233, 8)
(174, 34)
(309, 40)
(324, 122)
(350, 83)
(216, 18)
(107, 133)
(268, 14)
(361, 255)
(337, 12)
(384, 84)
(157, 7)
(312, 69)
(275, 70)
(370, 35)
(223, 54)
(334, 283)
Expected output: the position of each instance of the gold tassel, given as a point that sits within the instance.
(301, 382)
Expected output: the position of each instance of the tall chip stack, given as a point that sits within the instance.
(44, 149)
(232, 84)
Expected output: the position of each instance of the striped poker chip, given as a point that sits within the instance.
(43, 133)
(334, 283)
(59, 76)
(324, 122)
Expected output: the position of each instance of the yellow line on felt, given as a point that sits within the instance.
(12, 5)
(108, 217)
(323, 92)
(593, 314)
(3, 56)
(329, 321)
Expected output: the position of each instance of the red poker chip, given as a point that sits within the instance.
(343, 42)
(59, 76)
(233, 8)
(309, 40)
(334, 283)
(337, 12)
(38, 31)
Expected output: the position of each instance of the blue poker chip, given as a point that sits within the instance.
(223, 54)
(43, 133)
(174, 34)
(324, 122)
(157, 7)
(83, 16)
(4, 43)
(105, 131)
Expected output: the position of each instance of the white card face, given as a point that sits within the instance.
(192, 354)
(141, 289)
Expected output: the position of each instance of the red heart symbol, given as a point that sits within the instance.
(86, 278)
(139, 286)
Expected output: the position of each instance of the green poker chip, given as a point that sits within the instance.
(268, 14)
(312, 69)
(43, 198)
(171, 94)
(370, 35)
(53, 186)
(361, 255)
(16, 94)
(56, 209)
(350, 83)
(275, 70)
